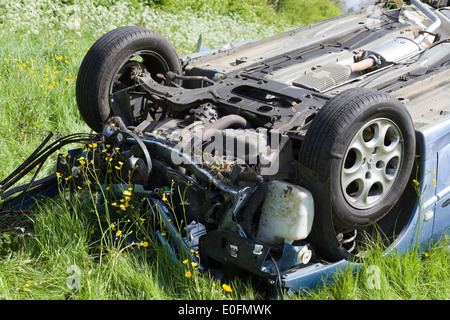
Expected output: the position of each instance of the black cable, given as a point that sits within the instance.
(26, 162)
(279, 287)
(39, 156)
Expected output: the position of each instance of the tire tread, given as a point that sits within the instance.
(98, 59)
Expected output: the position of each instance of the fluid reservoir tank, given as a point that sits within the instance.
(287, 213)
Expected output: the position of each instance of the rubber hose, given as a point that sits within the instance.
(255, 201)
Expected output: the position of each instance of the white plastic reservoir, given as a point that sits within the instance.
(287, 213)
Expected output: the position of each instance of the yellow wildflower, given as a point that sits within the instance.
(227, 288)
(118, 233)
(188, 274)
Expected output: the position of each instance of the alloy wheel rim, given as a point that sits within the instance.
(372, 163)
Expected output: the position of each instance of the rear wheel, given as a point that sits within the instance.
(111, 65)
(363, 141)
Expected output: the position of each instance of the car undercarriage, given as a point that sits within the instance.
(282, 155)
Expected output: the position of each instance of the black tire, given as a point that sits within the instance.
(107, 65)
(363, 142)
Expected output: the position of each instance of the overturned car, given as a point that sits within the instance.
(287, 152)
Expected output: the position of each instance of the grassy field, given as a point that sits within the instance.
(68, 248)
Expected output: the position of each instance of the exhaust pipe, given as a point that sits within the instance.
(430, 14)
(399, 49)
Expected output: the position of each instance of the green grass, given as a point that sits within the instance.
(42, 45)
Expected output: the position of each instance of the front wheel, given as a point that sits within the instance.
(111, 65)
(363, 141)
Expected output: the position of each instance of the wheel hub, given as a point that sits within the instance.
(371, 163)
